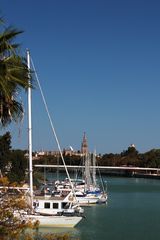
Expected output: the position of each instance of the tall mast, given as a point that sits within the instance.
(94, 169)
(87, 170)
(30, 132)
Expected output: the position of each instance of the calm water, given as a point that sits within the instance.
(132, 212)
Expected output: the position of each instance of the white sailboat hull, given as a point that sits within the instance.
(87, 200)
(55, 221)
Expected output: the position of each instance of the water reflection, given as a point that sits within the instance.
(73, 232)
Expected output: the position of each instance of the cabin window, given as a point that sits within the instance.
(65, 205)
(55, 205)
(46, 205)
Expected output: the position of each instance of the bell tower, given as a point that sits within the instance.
(84, 145)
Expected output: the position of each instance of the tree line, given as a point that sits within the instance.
(129, 157)
(14, 163)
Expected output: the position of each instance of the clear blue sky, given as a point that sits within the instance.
(99, 66)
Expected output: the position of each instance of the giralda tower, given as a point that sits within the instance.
(84, 145)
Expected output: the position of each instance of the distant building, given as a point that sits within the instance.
(84, 146)
(132, 145)
(66, 151)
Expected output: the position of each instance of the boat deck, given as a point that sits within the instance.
(47, 197)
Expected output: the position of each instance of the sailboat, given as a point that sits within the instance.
(49, 210)
(87, 190)
(92, 186)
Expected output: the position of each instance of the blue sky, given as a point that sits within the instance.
(99, 66)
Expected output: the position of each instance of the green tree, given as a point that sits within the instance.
(5, 146)
(13, 76)
(12, 200)
(18, 165)
(130, 152)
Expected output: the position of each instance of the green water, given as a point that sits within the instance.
(132, 212)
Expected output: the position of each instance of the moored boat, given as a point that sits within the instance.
(49, 211)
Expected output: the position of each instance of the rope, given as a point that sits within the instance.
(101, 179)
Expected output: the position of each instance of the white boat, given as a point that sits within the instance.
(50, 211)
(56, 221)
(87, 191)
(80, 196)
(94, 188)
(86, 199)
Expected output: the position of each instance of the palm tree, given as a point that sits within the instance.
(14, 75)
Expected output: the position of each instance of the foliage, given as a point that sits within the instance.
(14, 75)
(12, 162)
(18, 166)
(131, 157)
(38, 178)
(151, 159)
(13, 204)
(13, 225)
(73, 160)
(48, 236)
(5, 146)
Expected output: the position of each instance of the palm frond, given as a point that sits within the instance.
(14, 76)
